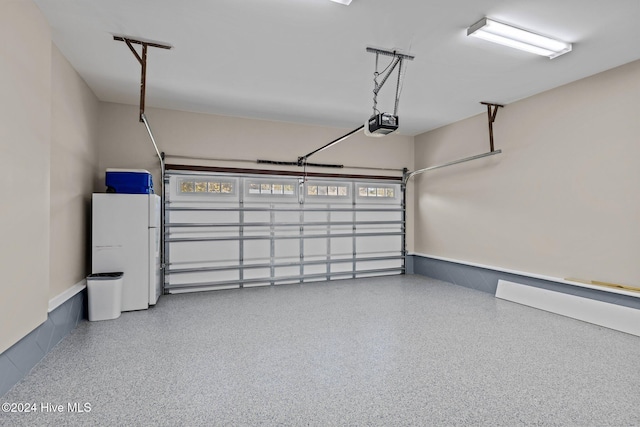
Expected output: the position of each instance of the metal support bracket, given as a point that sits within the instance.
(142, 59)
(492, 111)
(396, 62)
(392, 53)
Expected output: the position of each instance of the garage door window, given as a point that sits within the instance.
(381, 192)
(206, 187)
(329, 190)
(270, 188)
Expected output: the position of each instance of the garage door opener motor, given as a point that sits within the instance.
(381, 124)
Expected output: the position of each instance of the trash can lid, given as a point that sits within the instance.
(105, 276)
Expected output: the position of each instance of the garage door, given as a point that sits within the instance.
(227, 230)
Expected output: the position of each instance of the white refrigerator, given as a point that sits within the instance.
(126, 238)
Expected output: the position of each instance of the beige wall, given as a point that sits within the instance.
(561, 201)
(124, 143)
(25, 125)
(48, 124)
(74, 161)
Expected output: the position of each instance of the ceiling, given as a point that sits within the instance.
(304, 61)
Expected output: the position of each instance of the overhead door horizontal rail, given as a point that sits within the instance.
(283, 264)
(398, 270)
(304, 236)
(455, 162)
(271, 172)
(280, 224)
(190, 169)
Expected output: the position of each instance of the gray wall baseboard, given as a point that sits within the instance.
(19, 359)
(486, 280)
(408, 264)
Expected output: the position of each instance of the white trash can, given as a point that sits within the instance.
(105, 296)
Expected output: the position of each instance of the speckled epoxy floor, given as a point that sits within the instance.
(402, 350)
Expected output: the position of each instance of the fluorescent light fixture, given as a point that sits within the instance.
(344, 2)
(518, 38)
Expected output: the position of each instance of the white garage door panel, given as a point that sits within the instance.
(342, 246)
(287, 249)
(377, 245)
(341, 267)
(205, 252)
(204, 277)
(222, 234)
(287, 272)
(228, 231)
(378, 216)
(373, 265)
(195, 217)
(338, 217)
(256, 252)
(281, 217)
(311, 230)
(375, 274)
(256, 285)
(257, 273)
(313, 216)
(256, 217)
(315, 269)
(315, 248)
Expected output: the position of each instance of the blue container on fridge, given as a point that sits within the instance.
(129, 181)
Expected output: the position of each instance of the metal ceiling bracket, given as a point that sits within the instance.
(395, 62)
(142, 59)
(492, 111)
(390, 53)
